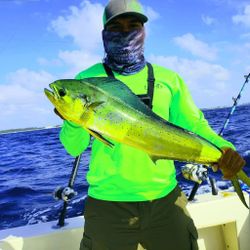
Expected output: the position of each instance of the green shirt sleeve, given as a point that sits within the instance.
(74, 138)
(184, 113)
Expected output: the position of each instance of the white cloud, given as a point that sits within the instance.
(245, 36)
(196, 47)
(15, 94)
(45, 62)
(239, 51)
(247, 46)
(23, 102)
(83, 24)
(78, 60)
(22, 99)
(243, 18)
(208, 20)
(207, 82)
(151, 14)
(195, 70)
(30, 80)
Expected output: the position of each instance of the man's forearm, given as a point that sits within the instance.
(74, 138)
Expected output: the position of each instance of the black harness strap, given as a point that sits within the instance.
(146, 98)
(108, 70)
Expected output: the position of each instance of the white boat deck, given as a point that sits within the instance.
(223, 224)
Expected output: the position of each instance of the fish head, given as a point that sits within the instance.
(68, 98)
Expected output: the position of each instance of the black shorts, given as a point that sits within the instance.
(161, 224)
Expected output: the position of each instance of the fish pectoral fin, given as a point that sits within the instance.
(100, 137)
(237, 187)
(154, 158)
(94, 105)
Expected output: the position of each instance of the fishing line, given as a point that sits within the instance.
(204, 174)
(234, 105)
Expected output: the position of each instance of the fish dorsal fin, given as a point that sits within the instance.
(155, 158)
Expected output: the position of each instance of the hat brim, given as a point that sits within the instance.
(140, 16)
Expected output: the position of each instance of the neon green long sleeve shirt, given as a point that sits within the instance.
(123, 173)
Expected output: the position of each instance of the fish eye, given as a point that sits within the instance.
(62, 92)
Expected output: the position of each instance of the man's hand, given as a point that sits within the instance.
(230, 163)
(57, 113)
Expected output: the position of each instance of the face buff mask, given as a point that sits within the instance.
(124, 51)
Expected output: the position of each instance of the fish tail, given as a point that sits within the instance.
(243, 177)
(237, 187)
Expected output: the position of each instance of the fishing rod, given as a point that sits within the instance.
(198, 173)
(67, 193)
(234, 105)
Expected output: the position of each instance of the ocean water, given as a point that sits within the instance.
(33, 164)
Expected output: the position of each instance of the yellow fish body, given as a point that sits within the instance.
(107, 108)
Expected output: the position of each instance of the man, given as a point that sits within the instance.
(131, 199)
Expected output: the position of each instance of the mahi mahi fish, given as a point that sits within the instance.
(109, 110)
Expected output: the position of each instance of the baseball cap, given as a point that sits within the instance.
(121, 7)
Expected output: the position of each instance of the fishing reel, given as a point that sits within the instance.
(193, 172)
(64, 193)
(198, 173)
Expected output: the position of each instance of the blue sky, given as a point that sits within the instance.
(206, 41)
